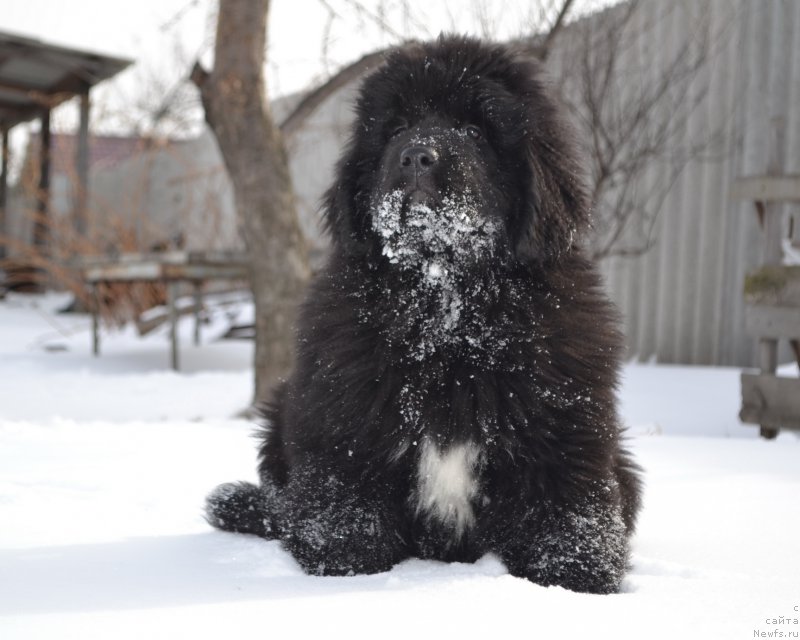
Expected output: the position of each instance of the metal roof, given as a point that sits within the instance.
(34, 75)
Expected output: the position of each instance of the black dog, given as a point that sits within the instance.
(454, 392)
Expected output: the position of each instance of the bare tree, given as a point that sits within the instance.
(234, 99)
(633, 112)
(545, 42)
(626, 134)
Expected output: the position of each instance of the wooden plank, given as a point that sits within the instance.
(773, 285)
(770, 401)
(767, 188)
(218, 257)
(171, 265)
(171, 257)
(155, 317)
(197, 290)
(166, 257)
(80, 220)
(772, 236)
(172, 299)
(95, 302)
(202, 272)
(763, 321)
(41, 225)
(4, 158)
(123, 272)
(155, 270)
(172, 268)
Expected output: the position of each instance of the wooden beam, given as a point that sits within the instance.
(13, 116)
(173, 265)
(40, 227)
(172, 300)
(773, 220)
(80, 220)
(764, 321)
(156, 270)
(770, 401)
(197, 290)
(4, 158)
(95, 303)
(41, 98)
(776, 285)
(767, 188)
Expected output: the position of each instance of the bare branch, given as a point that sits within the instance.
(312, 101)
(199, 75)
(634, 119)
(200, 78)
(543, 51)
(375, 18)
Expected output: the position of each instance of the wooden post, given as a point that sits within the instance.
(40, 230)
(768, 362)
(773, 220)
(95, 320)
(172, 297)
(773, 251)
(198, 306)
(4, 193)
(82, 167)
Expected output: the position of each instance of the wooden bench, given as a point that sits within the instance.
(772, 308)
(772, 312)
(171, 268)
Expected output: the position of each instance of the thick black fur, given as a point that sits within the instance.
(524, 368)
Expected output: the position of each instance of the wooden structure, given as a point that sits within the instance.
(772, 298)
(36, 77)
(171, 268)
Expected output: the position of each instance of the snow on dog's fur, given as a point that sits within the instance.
(453, 393)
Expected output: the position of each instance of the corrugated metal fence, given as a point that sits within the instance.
(682, 300)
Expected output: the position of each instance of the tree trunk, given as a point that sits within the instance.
(237, 110)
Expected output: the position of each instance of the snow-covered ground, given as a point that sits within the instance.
(104, 464)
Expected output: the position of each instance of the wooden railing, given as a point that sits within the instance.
(772, 305)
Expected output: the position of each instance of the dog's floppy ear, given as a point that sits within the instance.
(556, 208)
(338, 212)
(346, 206)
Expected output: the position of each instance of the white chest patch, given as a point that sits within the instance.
(447, 482)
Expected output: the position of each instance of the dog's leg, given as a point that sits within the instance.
(580, 548)
(336, 528)
(629, 478)
(242, 507)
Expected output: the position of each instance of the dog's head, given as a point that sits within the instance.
(457, 150)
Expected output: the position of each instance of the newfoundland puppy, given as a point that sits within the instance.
(454, 388)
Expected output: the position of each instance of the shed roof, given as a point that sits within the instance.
(34, 74)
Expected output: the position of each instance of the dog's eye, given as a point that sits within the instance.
(473, 132)
(397, 127)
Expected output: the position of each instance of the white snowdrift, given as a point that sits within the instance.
(104, 465)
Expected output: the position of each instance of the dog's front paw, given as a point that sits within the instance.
(243, 508)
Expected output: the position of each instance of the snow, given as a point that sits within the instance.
(419, 237)
(437, 245)
(791, 252)
(104, 465)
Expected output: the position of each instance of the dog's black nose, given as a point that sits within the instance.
(420, 157)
